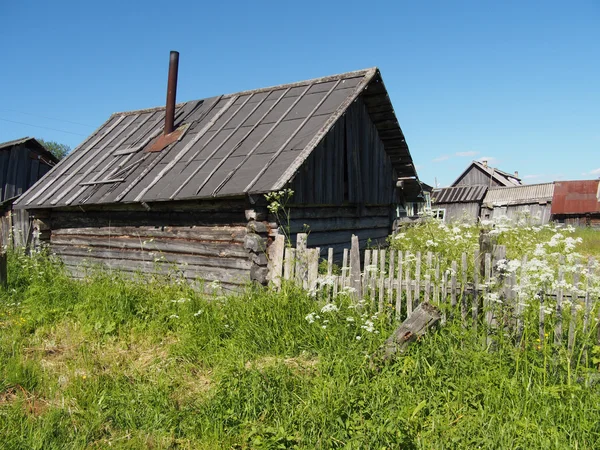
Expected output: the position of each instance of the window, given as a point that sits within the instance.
(439, 213)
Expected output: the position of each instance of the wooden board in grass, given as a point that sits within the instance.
(424, 317)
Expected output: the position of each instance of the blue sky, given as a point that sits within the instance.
(513, 82)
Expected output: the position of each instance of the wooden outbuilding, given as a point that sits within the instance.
(135, 196)
(22, 163)
(577, 203)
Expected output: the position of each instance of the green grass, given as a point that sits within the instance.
(114, 363)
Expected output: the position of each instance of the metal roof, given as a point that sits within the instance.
(576, 197)
(243, 143)
(519, 195)
(459, 194)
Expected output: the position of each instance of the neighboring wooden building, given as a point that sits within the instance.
(458, 203)
(577, 203)
(198, 204)
(480, 174)
(22, 163)
(531, 202)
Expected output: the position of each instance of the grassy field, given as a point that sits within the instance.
(151, 364)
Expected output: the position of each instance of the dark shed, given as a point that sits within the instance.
(22, 163)
(199, 202)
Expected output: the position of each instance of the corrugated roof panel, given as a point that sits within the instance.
(524, 194)
(459, 194)
(576, 197)
(244, 142)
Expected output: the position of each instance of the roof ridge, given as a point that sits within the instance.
(351, 74)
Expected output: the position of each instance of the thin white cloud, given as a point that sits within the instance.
(593, 172)
(470, 153)
(441, 158)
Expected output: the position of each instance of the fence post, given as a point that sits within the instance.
(301, 265)
(355, 268)
(3, 270)
(275, 263)
(399, 287)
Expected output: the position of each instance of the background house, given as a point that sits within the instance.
(22, 163)
(136, 197)
(531, 202)
(577, 203)
(458, 203)
(480, 174)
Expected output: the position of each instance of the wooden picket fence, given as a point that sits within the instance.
(397, 282)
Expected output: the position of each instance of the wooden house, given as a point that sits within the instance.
(530, 202)
(458, 203)
(22, 163)
(577, 203)
(189, 195)
(479, 173)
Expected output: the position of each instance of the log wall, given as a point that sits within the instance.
(204, 244)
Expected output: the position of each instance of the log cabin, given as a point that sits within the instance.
(183, 187)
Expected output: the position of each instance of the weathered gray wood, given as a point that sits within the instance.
(276, 251)
(476, 287)
(424, 317)
(487, 305)
(574, 304)
(313, 267)
(436, 285)
(289, 264)
(373, 274)
(453, 285)
(301, 260)
(408, 286)
(417, 297)
(366, 273)
(399, 287)
(355, 268)
(427, 296)
(391, 274)
(542, 320)
(463, 288)
(519, 308)
(588, 297)
(381, 303)
(330, 273)
(3, 270)
(444, 296)
(559, 299)
(345, 269)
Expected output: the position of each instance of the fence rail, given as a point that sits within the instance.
(480, 287)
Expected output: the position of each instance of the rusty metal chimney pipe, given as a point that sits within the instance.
(171, 92)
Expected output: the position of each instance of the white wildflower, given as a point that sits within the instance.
(329, 307)
(310, 318)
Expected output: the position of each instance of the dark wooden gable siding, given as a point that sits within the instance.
(475, 176)
(350, 166)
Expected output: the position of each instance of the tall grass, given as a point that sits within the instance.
(149, 363)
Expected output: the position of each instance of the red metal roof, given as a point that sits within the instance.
(576, 197)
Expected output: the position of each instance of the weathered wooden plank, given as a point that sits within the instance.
(399, 275)
(428, 277)
(226, 234)
(444, 296)
(409, 302)
(436, 285)
(381, 303)
(476, 287)
(453, 285)
(345, 269)
(574, 304)
(3, 270)
(301, 260)
(302, 214)
(366, 273)
(275, 264)
(355, 268)
(417, 297)
(559, 299)
(424, 317)
(209, 274)
(463, 289)
(149, 255)
(174, 245)
(519, 307)
(289, 263)
(313, 267)
(487, 304)
(391, 274)
(373, 274)
(588, 297)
